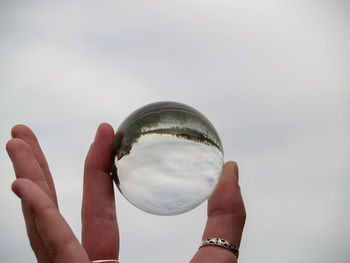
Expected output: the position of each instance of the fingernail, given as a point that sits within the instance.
(232, 170)
(98, 130)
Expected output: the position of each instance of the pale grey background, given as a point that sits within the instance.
(272, 76)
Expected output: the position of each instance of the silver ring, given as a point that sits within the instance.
(220, 243)
(105, 261)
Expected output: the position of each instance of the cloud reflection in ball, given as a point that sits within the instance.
(167, 158)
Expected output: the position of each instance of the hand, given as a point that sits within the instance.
(50, 236)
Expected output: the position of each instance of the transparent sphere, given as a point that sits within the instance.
(167, 158)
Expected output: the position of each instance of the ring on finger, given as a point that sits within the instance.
(105, 261)
(220, 243)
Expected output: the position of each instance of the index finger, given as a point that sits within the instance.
(100, 234)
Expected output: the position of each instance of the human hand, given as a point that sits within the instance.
(50, 236)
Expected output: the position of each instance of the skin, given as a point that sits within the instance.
(51, 238)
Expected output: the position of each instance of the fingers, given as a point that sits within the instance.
(100, 233)
(24, 133)
(29, 162)
(58, 239)
(226, 217)
(26, 165)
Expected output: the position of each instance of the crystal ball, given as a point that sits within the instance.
(167, 158)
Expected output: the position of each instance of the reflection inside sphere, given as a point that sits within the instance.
(167, 158)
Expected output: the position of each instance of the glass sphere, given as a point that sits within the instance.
(167, 158)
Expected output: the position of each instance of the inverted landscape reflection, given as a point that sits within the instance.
(167, 158)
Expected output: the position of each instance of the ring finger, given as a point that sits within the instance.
(226, 218)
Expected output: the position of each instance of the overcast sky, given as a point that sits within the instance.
(272, 76)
